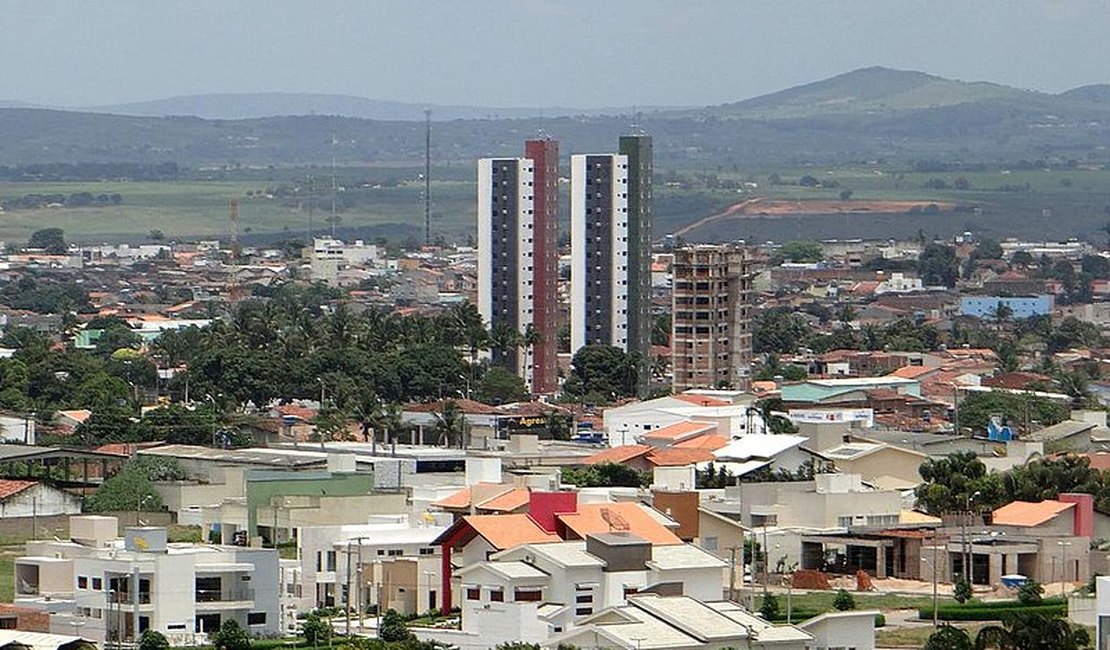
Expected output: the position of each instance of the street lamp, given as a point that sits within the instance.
(969, 575)
(139, 503)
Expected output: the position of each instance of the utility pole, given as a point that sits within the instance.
(935, 578)
(348, 599)
(732, 569)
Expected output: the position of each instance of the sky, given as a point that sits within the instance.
(506, 53)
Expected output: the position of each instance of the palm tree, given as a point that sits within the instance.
(368, 414)
(1021, 631)
(450, 425)
(393, 422)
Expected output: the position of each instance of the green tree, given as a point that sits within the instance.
(153, 640)
(799, 252)
(769, 608)
(779, 331)
(231, 637)
(605, 475)
(938, 266)
(450, 425)
(315, 629)
(179, 425)
(1016, 409)
(1022, 631)
(1029, 594)
(50, 240)
(955, 482)
(601, 374)
(132, 487)
(961, 590)
(843, 601)
(501, 386)
(393, 627)
(947, 637)
(661, 329)
(1022, 259)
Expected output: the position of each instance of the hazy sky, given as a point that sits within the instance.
(584, 53)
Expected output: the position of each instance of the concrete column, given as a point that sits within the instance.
(994, 575)
(880, 562)
(1011, 563)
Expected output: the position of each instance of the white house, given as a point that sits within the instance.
(115, 589)
(533, 591)
(20, 498)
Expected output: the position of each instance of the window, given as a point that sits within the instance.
(7, 623)
(583, 611)
(331, 560)
(82, 582)
(256, 618)
(427, 551)
(473, 593)
(396, 552)
(497, 595)
(527, 595)
(587, 598)
(709, 543)
(97, 584)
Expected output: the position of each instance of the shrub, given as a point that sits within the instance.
(769, 610)
(880, 620)
(843, 601)
(1029, 594)
(961, 591)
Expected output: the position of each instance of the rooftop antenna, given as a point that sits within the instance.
(334, 142)
(311, 205)
(427, 176)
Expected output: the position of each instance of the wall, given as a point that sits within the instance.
(843, 630)
(40, 500)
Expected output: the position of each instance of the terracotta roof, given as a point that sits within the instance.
(712, 442)
(621, 454)
(1025, 513)
(592, 518)
(296, 411)
(1099, 460)
(764, 386)
(11, 487)
(681, 430)
(128, 448)
(514, 499)
(465, 405)
(912, 372)
(703, 400)
(679, 457)
(507, 531)
(77, 415)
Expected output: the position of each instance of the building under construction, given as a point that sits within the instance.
(711, 334)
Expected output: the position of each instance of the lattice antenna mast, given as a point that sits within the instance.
(427, 176)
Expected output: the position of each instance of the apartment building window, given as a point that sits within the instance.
(496, 595)
(844, 521)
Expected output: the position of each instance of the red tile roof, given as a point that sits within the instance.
(681, 431)
(621, 454)
(467, 406)
(702, 400)
(609, 517)
(711, 442)
(1025, 513)
(11, 487)
(679, 457)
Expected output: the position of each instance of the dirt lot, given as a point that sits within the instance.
(777, 208)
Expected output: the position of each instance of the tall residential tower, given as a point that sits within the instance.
(611, 213)
(506, 255)
(518, 211)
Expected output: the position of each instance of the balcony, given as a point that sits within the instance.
(223, 598)
(126, 598)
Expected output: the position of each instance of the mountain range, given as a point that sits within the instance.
(871, 113)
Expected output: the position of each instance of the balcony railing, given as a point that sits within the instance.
(223, 595)
(125, 598)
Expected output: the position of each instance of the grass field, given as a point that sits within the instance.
(185, 209)
(822, 601)
(1054, 204)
